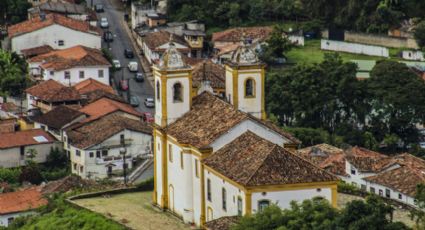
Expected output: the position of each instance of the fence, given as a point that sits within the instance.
(354, 48)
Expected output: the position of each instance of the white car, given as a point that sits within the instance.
(133, 66)
(104, 23)
(422, 145)
(116, 63)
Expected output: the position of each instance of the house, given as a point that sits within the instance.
(155, 19)
(70, 66)
(208, 75)
(8, 125)
(390, 177)
(103, 147)
(139, 12)
(75, 11)
(154, 44)
(49, 94)
(233, 36)
(32, 52)
(14, 147)
(55, 30)
(20, 203)
(105, 106)
(38, 2)
(412, 55)
(216, 157)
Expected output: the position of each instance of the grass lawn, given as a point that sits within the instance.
(134, 210)
(311, 53)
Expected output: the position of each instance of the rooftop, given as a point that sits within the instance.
(156, 39)
(105, 106)
(51, 19)
(90, 85)
(25, 138)
(258, 33)
(53, 91)
(222, 223)
(58, 117)
(250, 160)
(209, 71)
(31, 52)
(20, 201)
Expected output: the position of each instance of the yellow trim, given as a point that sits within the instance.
(181, 159)
(196, 168)
(209, 209)
(253, 87)
(202, 217)
(241, 187)
(163, 101)
(263, 97)
(155, 176)
(286, 187)
(334, 196)
(235, 99)
(248, 203)
(190, 87)
(164, 197)
(170, 153)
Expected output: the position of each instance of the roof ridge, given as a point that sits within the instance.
(264, 159)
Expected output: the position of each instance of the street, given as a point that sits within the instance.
(122, 41)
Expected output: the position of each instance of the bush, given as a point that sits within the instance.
(146, 185)
(31, 173)
(350, 189)
(57, 158)
(55, 174)
(10, 176)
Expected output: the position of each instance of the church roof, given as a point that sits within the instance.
(209, 118)
(250, 160)
(210, 71)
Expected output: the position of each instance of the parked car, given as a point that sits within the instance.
(99, 8)
(132, 66)
(124, 85)
(422, 145)
(139, 77)
(108, 36)
(104, 23)
(134, 101)
(128, 53)
(149, 102)
(116, 64)
(147, 117)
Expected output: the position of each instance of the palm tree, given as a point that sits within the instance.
(12, 73)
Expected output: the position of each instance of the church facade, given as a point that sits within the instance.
(216, 157)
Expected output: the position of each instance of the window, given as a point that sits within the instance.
(61, 43)
(81, 74)
(249, 88)
(100, 73)
(262, 204)
(387, 193)
(22, 151)
(239, 206)
(97, 154)
(181, 160)
(353, 171)
(10, 220)
(224, 199)
(372, 190)
(77, 152)
(381, 193)
(363, 187)
(67, 75)
(104, 152)
(52, 73)
(122, 140)
(209, 190)
(75, 166)
(43, 127)
(81, 169)
(196, 168)
(91, 154)
(170, 153)
(177, 92)
(158, 91)
(400, 196)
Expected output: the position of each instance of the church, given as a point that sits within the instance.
(216, 157)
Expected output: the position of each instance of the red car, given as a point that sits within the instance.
(124, 85)
(147, 117)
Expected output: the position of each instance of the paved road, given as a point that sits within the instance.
(122, 41)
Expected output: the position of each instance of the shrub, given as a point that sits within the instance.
(31, 173)
(146, 185)
(55, 174)
(10, 176)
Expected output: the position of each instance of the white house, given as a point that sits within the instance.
(139, 13)
(95, 147)
(413, 55)
(55, 30)
(215, 158)
(70, 66)
(15, 146)
(20, 203)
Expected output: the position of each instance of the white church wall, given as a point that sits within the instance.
(176, 109)
(250, 104)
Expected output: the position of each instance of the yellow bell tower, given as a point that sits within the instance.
(245, 79)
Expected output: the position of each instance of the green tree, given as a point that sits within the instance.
(57, 158)
(419, 214)
(276, 45)
(13, 71)
(419, 34)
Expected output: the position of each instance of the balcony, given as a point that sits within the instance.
(112, 159)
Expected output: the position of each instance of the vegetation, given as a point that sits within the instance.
(276, 45)
(13, 71)
(146, 185)
(418, 215)
(318, 214)
(13, 11)
(420, 34)
(332, 106)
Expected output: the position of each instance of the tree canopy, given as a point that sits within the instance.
(13, 73)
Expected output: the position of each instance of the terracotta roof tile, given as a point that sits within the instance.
(24, 138)
(106, 106)
(251, 160)
(366, 160)
(210, 71)
(326, 157)
(20, 201)
(58, 117)
(90, 85)
(222, 223)
(97, 131)
(156, 39)
(71, 57)
(36, 24)
(36, 51)
(208, 119)
(40, 89)
(259, 33)
(95, 95)
(53, 91)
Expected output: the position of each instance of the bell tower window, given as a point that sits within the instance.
(249, 88)
(177, 92)
(158, 90)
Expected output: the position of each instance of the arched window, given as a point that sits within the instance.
(177, 92)
(249, 88)
(158, 90)
(262, 204)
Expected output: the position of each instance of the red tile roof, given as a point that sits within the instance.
(259, 33)
(71, 57)
(106, 106)
(20, 201)
(210, 71)
(91, 85)
(40, 89)
(31, 52)
(24, 138)
(53, 91)
(157, 39)
(51, 19)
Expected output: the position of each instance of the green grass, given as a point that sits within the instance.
(311, 53)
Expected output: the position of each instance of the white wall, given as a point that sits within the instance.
(158, 104)
(414, 55)
(297, 40)
(4, 218)
(89, 72)
(51, 35)
(229, 84)
(394, 194)
(176, 109)
(354, 48)
(11, 157)
(251, 105)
